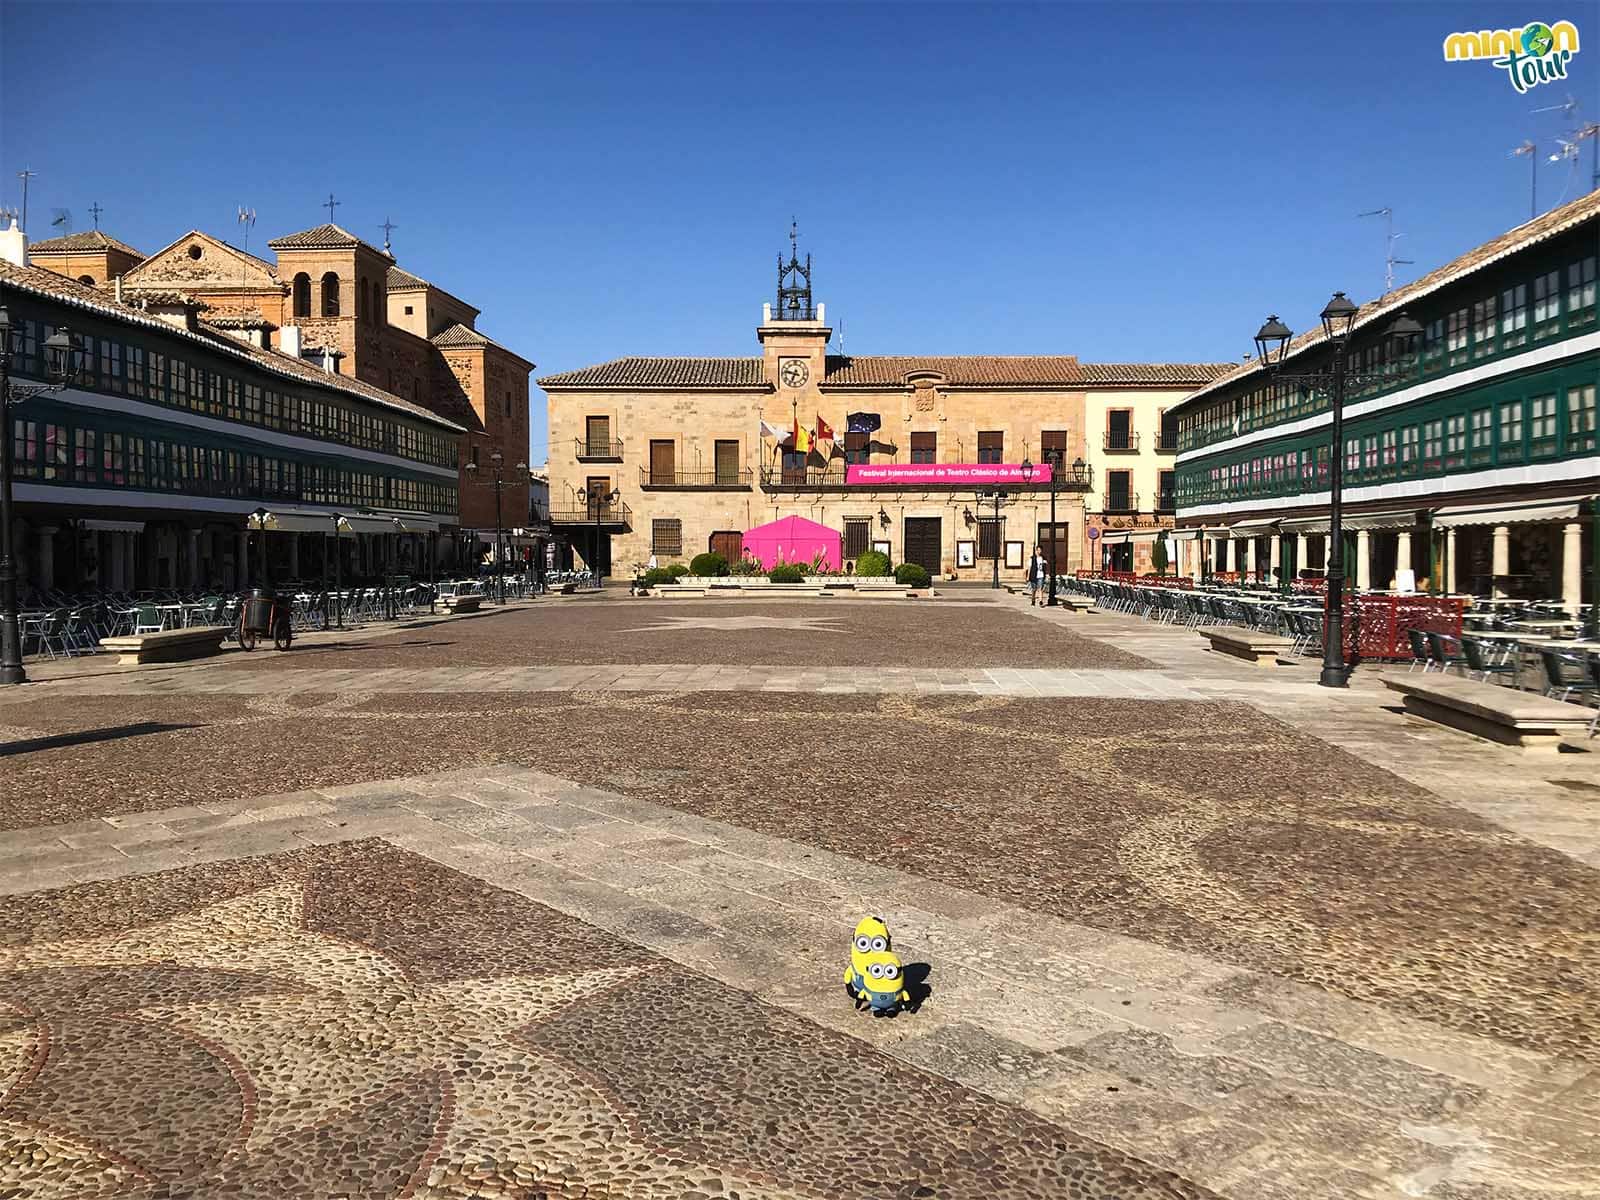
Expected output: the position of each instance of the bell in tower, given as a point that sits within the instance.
(794, 284)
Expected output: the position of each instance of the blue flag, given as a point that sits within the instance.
(863, 422)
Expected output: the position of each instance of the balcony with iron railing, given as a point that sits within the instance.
(708, 481)
(615, 515)
(597, 450)
(1121, 443)
(1167, 502)
(1167, 441)
(1121, 502)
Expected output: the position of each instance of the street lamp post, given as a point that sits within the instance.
(63, 359)
(600, 500)
(999, 498)
(1272, 346)
(499, 483)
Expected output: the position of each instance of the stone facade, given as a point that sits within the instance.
(694, 469)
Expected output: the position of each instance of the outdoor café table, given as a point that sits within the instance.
(1555, 627)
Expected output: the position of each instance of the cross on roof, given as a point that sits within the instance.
(95, 210)
(330, 204)
(794, 237)
(388, 227)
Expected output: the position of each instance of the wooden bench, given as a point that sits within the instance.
(171, 645)
(461, 604)
(1500, 714)
(1261, 649)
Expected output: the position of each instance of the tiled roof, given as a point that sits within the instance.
(458, 336)
(244, 320)
(163, 298)
(1386, 308)
(664, 373)
(323, 237)
(39, 282)
(966, 370)
(75, 243)
(1153, 374)
(400, 280)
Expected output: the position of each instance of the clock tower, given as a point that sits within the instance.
(794, 341)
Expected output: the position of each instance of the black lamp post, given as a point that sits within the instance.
(999, 498)
(63, 359)
(499, 483)
(1272, 347)
(600, 500)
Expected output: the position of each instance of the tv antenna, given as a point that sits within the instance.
(61, 218)
(25, 174)
(1531, 152)
(1389, 239)
(1579, 131)
(246, 218)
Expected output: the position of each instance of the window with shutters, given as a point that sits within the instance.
(1053, 447)
(925, 447)
(666, 536)
(1119, 429)
(1119, 495)
(856, 447)
(726, 457)
(857, 536)
(991, 446)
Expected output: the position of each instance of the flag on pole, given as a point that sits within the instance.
(768, 429)
(863, 422)
(824, 431)
(802, 438)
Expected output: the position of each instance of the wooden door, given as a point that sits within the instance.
(663, 456)
(599, 487)
(1063, 544)
(727, 463)
(923, 543)
(729, 543)
(597, 436)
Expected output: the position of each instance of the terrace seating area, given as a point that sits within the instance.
(57, 625)
(1528, 646)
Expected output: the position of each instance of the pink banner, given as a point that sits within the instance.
(965, 474)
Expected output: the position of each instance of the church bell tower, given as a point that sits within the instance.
(794, 337)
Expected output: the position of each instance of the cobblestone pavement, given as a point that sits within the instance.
(1321, 952)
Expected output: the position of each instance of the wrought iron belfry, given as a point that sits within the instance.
(794, 283)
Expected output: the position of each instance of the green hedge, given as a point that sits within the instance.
(656, 576)
(872, 562)
(912, 575)
(787, 573)
(708, 564)
(677, 570)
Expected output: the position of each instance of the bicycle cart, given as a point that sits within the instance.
(265, 615)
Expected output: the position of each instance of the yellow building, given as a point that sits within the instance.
(668, 457)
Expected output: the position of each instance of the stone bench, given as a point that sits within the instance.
(171, 645)
(1261, 649)
(461, 604)
(1500, 714)
(1074, 602)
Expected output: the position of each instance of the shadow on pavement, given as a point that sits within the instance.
(86, 736)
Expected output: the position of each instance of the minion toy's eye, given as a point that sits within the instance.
(890, 970)
(880, 943)
(876, 970)
(863, 943)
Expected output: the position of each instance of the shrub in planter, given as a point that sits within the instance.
(746, 566)
(708, 564)
(872, 562)
(912, 575)
(677, 571)
(787, 573)
(656, 576)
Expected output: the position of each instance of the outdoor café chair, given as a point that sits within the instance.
(1563, 673)
(1441, 651)
(1485, 664)
(147, 619)
(1419, 651)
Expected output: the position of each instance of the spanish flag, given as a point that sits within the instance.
(801, 438)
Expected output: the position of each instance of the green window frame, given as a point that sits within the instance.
(1546, 304)
(1480, 446)
(1581, 418)
(1510, 448)
(1543, 426)
(1514, 316)
(1581, 292)
(1483, 327)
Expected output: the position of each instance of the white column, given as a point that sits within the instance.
(1402, 551)
(1450, 561)
(1572, 567)
(1363, 559)
(1277, 556)
(45, 569)
(1502, 556)
(244, 560)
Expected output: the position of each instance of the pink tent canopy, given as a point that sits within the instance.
(793, 540)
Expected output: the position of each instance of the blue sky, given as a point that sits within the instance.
(1120, 182)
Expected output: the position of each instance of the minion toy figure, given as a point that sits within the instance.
(871, 936)
(884, 981)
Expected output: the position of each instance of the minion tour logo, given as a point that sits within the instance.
(1537, 53)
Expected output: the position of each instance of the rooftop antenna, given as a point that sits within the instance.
(841, 336)
(1529, 150)
(25, 174)
(61, 218)
(247, 218)
(388, 227)
(1580, 131)
(1390, 238)
(94, 211)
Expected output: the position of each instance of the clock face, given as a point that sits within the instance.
(793, 372)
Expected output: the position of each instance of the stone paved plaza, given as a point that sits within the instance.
(555, 900)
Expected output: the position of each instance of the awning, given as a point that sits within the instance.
(1118, 537)
(359, 523)
(1508, 514)
(1255, 527)
(281, 521)
(98, 526)
(1398, 519)
(411, 523)
(1186, 535)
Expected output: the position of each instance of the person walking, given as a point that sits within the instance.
(1038, 588)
